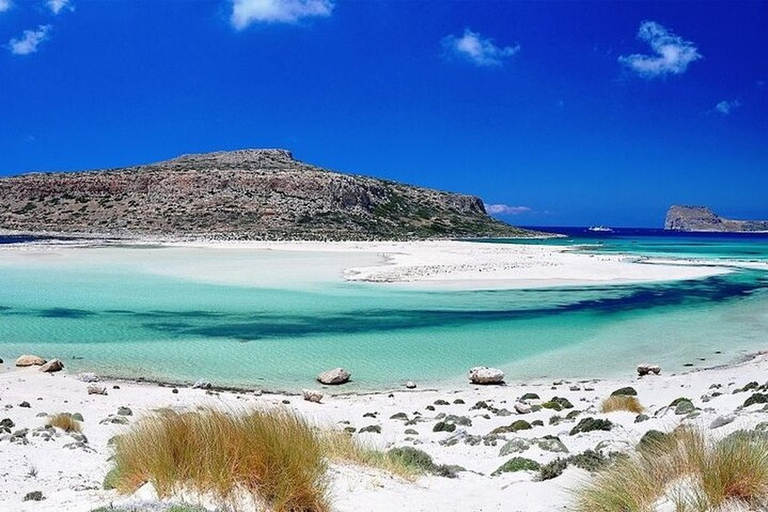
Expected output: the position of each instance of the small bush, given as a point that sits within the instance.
(757, 398)
(529, 396)
(274, 456)
(412, 457)
(64, 421)
(732, 473)
(590, 424)
(517, 464)
(514, 427)
(563, 402)
(621, 403)
(627, 391)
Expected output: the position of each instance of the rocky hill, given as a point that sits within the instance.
(247, 194)
(701, 218)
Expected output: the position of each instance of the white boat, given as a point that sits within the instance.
(600, 229)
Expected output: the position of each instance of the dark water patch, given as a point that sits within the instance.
(65, 313)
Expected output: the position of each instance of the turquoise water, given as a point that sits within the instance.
(138, 313)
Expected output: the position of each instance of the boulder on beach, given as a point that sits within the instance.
(30, 360)
(334, 377)
(54, 365)
(410, 385)
(88, 377)
(486, 375)
(96, 389)
(311, 395)
(647, 369)
(202, 384)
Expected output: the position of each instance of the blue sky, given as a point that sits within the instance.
(557, 113)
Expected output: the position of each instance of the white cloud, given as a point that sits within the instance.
(479, 51)
(505, 209)
(5, 5)
(57, 5)
(672, 53)
(245, 12)
(725, 107)
(29, 41)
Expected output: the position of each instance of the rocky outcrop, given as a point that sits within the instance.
(30, 360)
(247, 194)
(486, 375)
(334, 377)
(701, 218)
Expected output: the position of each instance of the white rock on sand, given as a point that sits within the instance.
(334, 377)
(29, 360)
(70, 478)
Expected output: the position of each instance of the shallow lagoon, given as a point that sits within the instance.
(274, 319)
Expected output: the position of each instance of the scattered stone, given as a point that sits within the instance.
(88, 377)
(6, 424)
(440, 401)
(30, 360)
(530, 396)
(115, 387)
(722, 421)
(286, 402)
(537, 423)
(551, 444)
(459, 401)
(522, 408)
(114, 419)
(374, 429)
(442, 426)
(572, 415)
(683, 406)
(563, 402)
(399, 416)
(334, 377)
(54, 365)
(202, 384)
(370, 415)
(485, 375)
(79, 417)
(647, 369)
(575, 387)
(175, 391)
(590, 424)
(25, 404)
(515, 445)
(350, 430)
(430, 407)
(641, 418)
(411, 432)
(504, 412)
(410, 385)
(123, 411)
(479, 405)
(95, 389)
(627, 391)
(33, 496)
(459, 420)
(757, 398)
(311, 395)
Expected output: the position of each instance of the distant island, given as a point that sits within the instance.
(257, 194)
(701, 218)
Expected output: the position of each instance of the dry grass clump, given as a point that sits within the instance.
(274, 457)
(687, 471)
(63, 421)
(343, 447)
(621, 403)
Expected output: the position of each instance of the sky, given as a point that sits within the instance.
(554, 113)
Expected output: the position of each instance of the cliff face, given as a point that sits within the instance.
(701, 218)
(248, 194)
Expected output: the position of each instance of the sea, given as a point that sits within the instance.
(179, 315)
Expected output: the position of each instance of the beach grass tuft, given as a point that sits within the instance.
(274, 457)
(621, 403)
(64, 421)
(687, 470)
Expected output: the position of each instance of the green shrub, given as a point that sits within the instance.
(517, 464)
(590, 424)
(627, 391)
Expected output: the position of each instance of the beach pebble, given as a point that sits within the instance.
(201, 384)
(30, 360)
(486, 375)
(25, 404)
(522, 408)
(95, 389)
(334, 377)
(124, 411)
(54, 365)
(88, 377)
(647, 369)
(310, 395)
(410, 385)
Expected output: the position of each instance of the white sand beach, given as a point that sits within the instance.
(70, 473)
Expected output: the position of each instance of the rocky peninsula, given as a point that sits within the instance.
(254, 194)
(701, 218)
